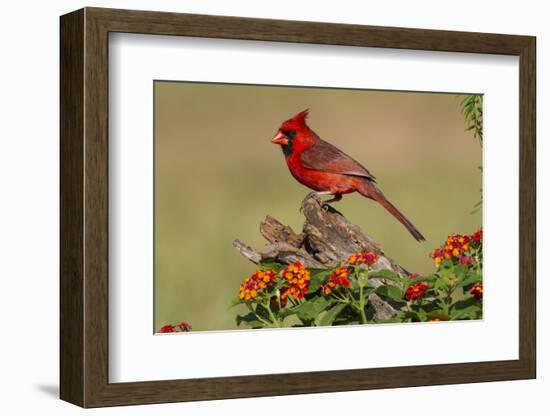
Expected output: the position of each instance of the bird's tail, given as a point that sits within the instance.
(370, 190)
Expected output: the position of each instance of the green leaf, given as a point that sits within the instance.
(463, 304)
(410, 316)
(460, 271)
(477, 207)
(446, 268)
(390, 292)
(312, 308)
(385, 274)
(469, 312)
(276, 267)
(441, 283)
(422, 315)
(317, 278)
(262, 312)
(465, 309)
(470, 280)
(285, 311)
(427, 278)
(362, 281)
(249, 319)
(235, 302)
(329, 317)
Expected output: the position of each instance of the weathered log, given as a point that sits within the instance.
(327, 240)
(273, 231)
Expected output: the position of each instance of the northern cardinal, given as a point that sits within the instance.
(327, 170)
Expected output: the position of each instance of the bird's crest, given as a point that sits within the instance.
(298, 122)
(301, 117)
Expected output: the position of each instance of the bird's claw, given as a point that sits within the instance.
(317, 197)
(313, 195)
(325, 206)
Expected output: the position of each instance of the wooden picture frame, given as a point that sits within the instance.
(84, 207)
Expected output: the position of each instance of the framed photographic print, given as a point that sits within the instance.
(255, 207)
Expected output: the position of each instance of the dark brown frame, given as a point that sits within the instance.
(84, 207)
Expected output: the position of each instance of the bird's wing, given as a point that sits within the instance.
(328, 158)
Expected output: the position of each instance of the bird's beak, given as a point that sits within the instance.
(280, 138)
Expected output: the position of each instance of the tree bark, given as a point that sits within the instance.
(327, 240)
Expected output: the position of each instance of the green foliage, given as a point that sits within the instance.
(340, 295)
(310, 310)
(390, 292)
(318, 277)
(472, 108)
(330, 315)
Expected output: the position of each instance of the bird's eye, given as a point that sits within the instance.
(289, 133)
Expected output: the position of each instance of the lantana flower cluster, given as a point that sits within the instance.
(340, 278)
(342, 293)
(297, 278)
(179, 327)
(477, 291)
(416, 290)
(253, 285)
(367, 257)
(458, 248)
(477, 237)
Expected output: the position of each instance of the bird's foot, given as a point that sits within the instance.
(325, 206)
(316, 196)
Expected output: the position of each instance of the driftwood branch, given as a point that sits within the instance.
(327, 239)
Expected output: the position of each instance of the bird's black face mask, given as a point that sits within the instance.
(287, 148)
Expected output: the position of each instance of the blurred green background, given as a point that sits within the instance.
(217, 176)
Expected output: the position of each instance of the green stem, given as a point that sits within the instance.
(451, 290)
(478, 264)
(364, 316)
(266, 323)
(291, 300)
(362, 305)
(342, 300)
(272, 315)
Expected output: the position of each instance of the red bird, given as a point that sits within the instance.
(324, 168)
